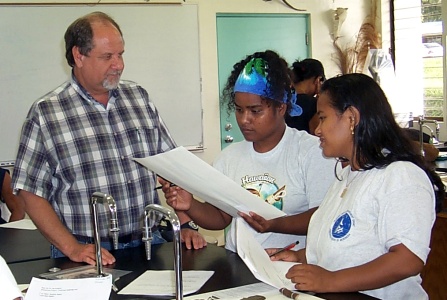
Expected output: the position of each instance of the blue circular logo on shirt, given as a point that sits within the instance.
(342, 226)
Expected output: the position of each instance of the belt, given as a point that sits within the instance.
(121, 239)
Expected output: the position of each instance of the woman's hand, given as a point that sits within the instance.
(310, 278)
(176, 197)
(287, 255)
(256, 221)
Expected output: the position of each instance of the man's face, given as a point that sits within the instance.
(100, 70)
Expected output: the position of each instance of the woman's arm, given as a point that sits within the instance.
(203, 214)
(399, 263)
(293, 224)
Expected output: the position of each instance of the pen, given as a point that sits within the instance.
(289, 293)
(288, 247)
(160, 187)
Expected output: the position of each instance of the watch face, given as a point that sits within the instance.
(193, 225)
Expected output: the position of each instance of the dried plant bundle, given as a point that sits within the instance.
(351, 59)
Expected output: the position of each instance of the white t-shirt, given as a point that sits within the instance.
(380, 208)
(294, 177)
(8, 284)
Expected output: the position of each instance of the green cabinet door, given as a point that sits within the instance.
(241, 34)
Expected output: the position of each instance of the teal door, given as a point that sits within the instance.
(241, 34)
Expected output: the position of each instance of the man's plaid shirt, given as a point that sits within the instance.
(72, 146)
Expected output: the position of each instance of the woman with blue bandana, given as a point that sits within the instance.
(283, 166)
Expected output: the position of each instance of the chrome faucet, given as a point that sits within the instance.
(98, 197)
(159, 212)
(435, 139)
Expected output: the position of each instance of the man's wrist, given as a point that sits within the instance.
(189, 225)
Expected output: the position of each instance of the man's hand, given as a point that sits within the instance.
(87, 253)
(256, 221)
(193, 239)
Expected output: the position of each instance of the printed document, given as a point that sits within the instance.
(258, 261)
(250, 291)
(162, 283)
(97, 288)
(189, 172)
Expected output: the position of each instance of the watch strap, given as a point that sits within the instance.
(189, 225)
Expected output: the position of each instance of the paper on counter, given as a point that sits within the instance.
(186, 170)
(21, 224)
(258, 261)
(162, 283)
(97, 288)
(250, 291)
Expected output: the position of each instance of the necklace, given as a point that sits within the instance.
(348, 183)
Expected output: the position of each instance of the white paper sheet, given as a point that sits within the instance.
(97, 288)
(186, 170)
(21, 224)
(162, 283)
(261, 290)
(258, 261)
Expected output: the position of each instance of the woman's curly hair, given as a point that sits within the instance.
(278, 79)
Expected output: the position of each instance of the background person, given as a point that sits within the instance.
(80, 138)
(372, 231)
(13, 203)
(274, 161)
(307, 77)
(430, 151)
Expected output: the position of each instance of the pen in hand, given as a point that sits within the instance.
(288, 247)
(160, 187)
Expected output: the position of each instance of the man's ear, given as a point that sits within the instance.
(78, 57)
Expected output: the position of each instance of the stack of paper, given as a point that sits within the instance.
(162, 283)
(186, 170)
(258, 261)
(250, 291)
(97, 288)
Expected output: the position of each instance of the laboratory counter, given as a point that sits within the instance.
(229, 270)
(19, 245)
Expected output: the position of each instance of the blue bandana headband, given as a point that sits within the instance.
(252, 79)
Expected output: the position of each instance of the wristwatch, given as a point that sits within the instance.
(189, 225)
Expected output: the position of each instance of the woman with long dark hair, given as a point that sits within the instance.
(372, 231)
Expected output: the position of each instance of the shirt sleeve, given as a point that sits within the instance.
(318, 173)
(407, 213)
(31, 169)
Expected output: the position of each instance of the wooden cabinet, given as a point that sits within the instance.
(434, 274)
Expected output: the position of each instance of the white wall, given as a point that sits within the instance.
(321, 48)
(321, 45)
